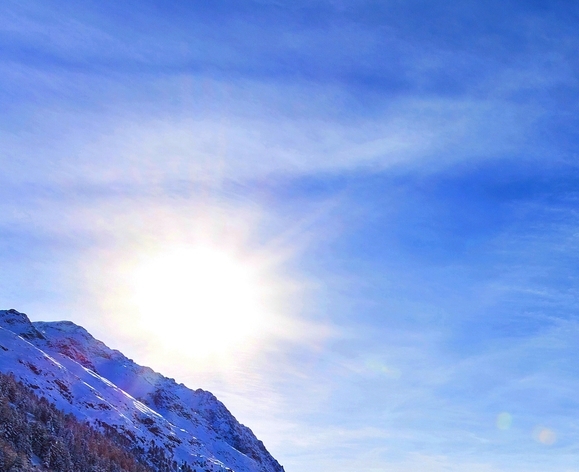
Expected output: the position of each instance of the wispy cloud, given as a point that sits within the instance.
(246, 142)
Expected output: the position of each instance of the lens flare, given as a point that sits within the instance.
(504, 421)
(545, 436)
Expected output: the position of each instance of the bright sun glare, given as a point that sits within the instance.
(208, 300)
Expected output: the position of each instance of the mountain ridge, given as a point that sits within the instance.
(85, 377)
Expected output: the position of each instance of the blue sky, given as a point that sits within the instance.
(407, 170)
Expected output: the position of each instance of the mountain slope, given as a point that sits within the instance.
(81, 375)
(37, 437)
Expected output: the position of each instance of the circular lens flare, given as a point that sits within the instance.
(504, 420)
(545, 436)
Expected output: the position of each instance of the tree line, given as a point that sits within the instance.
(36, 436)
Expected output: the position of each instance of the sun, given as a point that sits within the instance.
(200, 299)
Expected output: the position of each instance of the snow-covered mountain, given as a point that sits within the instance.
(82, 376)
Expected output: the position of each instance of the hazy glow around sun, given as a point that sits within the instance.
(196, 289)
(208, 300)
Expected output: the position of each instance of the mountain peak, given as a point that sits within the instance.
(20, 324)
(66, 328)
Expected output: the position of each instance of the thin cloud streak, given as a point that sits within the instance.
(428, 133)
